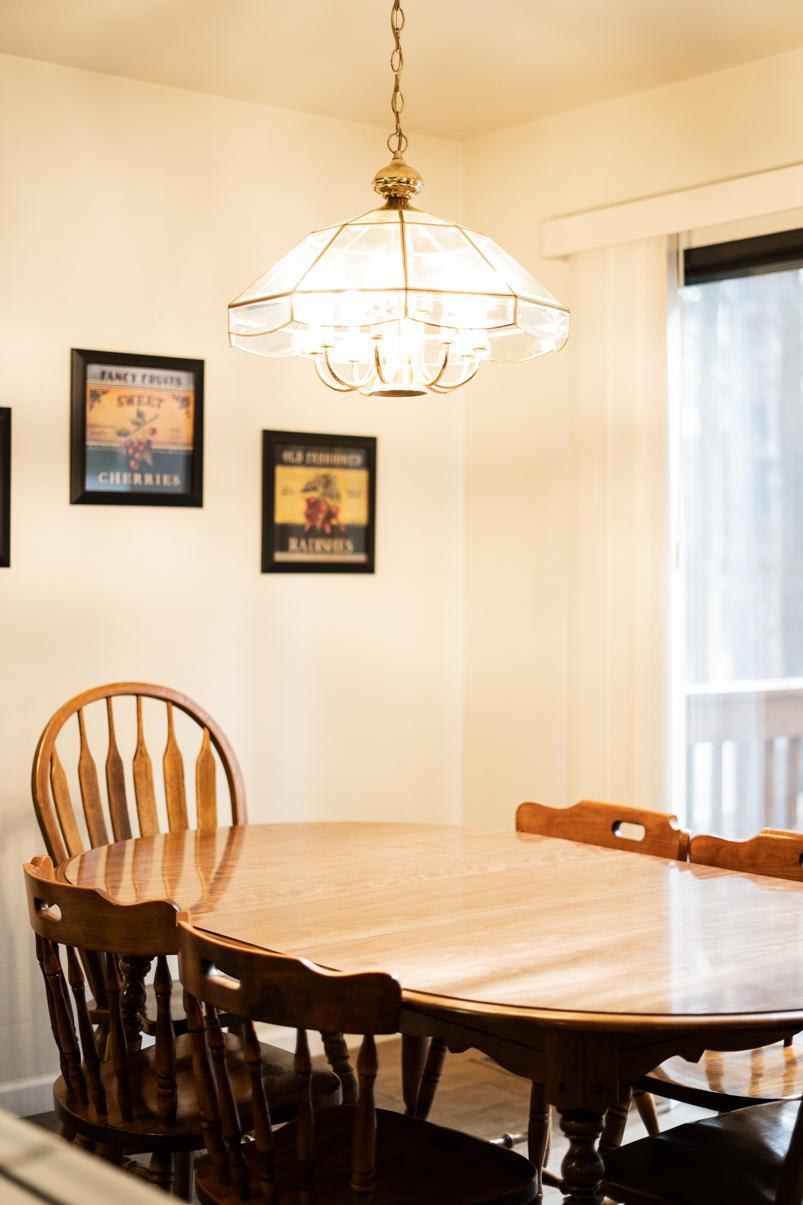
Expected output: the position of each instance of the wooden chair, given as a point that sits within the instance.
(62, 828)
(614, 826)
(140, 1101)
(347, 1152)
(731, 1080)
(67, 832)
(752, 1156)
(611, 825)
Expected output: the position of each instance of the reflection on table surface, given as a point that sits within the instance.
(491, 918)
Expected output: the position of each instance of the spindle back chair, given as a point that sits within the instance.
(775, 852)
(330, 1155)
(612, 825)
(62, 827)
(60, 824)
(729, 1080)
(108, 1101)
(132, 1101)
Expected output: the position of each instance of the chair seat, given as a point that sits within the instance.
(417, 1162)
(745, 1077)
(736, 1157)
(147, 1132)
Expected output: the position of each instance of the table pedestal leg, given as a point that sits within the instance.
(133, 971)
(582, 1168)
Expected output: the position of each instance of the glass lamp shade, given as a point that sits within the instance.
(398, 302)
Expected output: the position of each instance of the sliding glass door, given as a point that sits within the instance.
(741, 534)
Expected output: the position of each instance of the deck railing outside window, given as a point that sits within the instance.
(743, 756)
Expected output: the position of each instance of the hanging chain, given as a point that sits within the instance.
(397, 141)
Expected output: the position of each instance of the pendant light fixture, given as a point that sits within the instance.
(398, 302)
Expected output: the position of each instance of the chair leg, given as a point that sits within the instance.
(160, 1170)
(615, 1122)
(431, 1077)
(413, 1057)
(645, 1104)
(538, 1134)
(182, 1175)
(337, 1053)
(112, 1154)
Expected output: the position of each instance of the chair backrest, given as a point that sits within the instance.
(261, 986)
(610, 824)
(74, 919)
(772, 852)
(62, 827)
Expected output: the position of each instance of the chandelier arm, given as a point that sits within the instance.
(340, 380)
(378, 365)
(458, 385)
(442, 369)
(341, 388)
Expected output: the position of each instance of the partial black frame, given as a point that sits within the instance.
(5, 487)
(743, 257)
(80, 358)
(307, 438)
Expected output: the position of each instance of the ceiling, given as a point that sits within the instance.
(473, 66)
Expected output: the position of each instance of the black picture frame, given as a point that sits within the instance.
(328, 534)
(5, 487)
(143, 393)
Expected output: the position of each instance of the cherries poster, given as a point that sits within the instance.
(136, 429)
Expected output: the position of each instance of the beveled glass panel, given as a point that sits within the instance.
(284, 276)
(511, 345)
(516, 277)
(541, 321)
(260, 317)
(440, 257)
(359, 257)
(351, 308)
(479, 312)
(275, 343)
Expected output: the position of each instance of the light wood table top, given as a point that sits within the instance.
(489, 922)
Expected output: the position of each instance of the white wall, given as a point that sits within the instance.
(129, 216)
(526, 460)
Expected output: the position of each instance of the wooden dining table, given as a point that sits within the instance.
(578, 967)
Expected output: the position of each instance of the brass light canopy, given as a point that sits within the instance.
(398, 302)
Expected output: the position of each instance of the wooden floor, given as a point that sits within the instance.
(478, 1097)
(482, 1099)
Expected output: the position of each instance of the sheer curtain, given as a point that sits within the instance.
(620, 543)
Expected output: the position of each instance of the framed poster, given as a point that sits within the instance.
(5, 487)
(137, 429)
(318, 502)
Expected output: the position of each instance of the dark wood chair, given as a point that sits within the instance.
(343, 1153)
(138, 1101)
(733, 1079)
(752, 1156)
(114, 711)
(614, 826)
